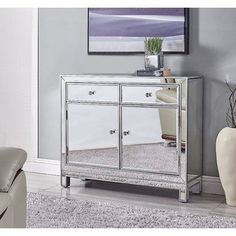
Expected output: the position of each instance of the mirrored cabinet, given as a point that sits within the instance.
(136, 130)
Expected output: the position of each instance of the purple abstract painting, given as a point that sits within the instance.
(117, 30)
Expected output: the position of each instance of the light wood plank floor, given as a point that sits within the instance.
(144, 196)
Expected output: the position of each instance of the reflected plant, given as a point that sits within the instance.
(153, 46)
(231, 112)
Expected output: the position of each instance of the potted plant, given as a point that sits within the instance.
(226, 149)
(153, 53)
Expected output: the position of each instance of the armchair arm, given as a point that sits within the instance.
(11, 161)
(169, 96)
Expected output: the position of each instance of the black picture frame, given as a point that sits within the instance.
(186, 40)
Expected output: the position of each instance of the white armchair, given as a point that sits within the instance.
(168, 116)
(12, 188)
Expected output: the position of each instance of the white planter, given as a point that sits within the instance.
(226, 162)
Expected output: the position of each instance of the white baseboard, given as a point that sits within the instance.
(42, 166)
(210, 184)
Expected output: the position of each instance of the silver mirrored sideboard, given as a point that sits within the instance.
(135, 130)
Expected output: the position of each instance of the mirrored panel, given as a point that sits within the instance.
(194, 117)
(149, 94)
(149, 139)
(93, 135)
(89, 92)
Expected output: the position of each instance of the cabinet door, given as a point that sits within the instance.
(92, 135)
(144, 145)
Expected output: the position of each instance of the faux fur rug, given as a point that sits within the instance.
(45, 211)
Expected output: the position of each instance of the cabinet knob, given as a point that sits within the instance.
(112, 131)
(127, 132)
(91, 92)
(149, 94)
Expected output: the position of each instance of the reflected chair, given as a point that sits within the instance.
(168, 116)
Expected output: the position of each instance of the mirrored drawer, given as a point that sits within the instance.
(149, 94)
(94, 93)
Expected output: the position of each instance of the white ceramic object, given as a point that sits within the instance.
(226, 162)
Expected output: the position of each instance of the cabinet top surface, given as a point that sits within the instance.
(119, 78)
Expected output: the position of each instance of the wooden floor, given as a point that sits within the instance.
(145, 196)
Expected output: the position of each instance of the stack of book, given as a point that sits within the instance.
(157, 73)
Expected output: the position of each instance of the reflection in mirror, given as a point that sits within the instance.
(93, 135)
(168, 116)
(144, 147)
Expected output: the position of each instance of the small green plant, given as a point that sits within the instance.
(153, 45)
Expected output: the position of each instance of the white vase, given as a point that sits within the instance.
(226, 162)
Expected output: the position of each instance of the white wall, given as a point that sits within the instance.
(17, 80)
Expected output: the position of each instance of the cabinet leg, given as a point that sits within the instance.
(65, 181)
(183, 195)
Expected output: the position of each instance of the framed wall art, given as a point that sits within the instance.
(123, 30)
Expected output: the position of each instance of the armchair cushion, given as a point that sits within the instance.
(11, 161)
(169, 96)
(4, 202)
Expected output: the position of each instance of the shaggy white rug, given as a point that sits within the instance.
(46, 211)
